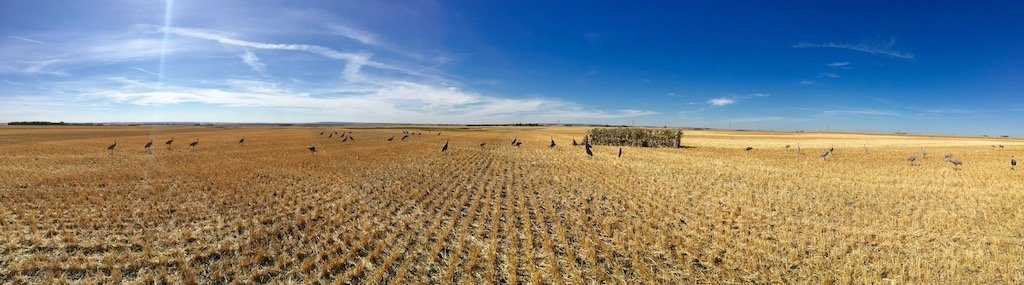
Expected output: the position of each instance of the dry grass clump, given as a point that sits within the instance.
(374, 212)
(635, 137)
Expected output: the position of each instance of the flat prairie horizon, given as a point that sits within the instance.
(386, 204)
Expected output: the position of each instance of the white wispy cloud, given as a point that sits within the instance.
(886, 48)
(830, 74)
(253, 61)
(721, 102)
(357, 34)
(150, 72)
(839, 64)
(29, 40)
(399, 101)
(807, 82)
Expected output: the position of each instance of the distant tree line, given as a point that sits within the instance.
(44, 123)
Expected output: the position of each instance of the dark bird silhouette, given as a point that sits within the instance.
(331, 136)
(587, 146)
(912, 158)
(149, 146)
(344, 140)
(620, 151)
(439, 133)
(110, 148)
(391, 138)
(168, 142)
(787, 146)
(574, 142)
(445, 147)
(552, 143)
(311, 149)
(826, 152)
(241, 141)
(322, 132)
(1013, 162)
(350, 137)
(519, 144)
(748, 149)
(482, 144)
(405, 137)
(1000, 146)
(514, 141)
(193, 144)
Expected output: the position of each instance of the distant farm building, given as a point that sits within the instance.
(636, 137)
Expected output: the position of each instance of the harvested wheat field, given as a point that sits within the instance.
(372, 210)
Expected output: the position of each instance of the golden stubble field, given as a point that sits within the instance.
(372, 211)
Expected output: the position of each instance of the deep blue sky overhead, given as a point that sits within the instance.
(927, 67)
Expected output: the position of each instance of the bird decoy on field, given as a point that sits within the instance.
(956, 163)
(798, 151)
(587, 146)
(322, 132)
(445, 147)
(865, 148)
(168, 142)
(482, 144)
(391, 138)
(574, 142)
(1013, 162)
(439, 133)
(620, 152)
(330, 136)
(993, 146)
(552, 143)
(519, 144)
(351, 138)
(193, 144)
(947, 156)
(787, 146)
(344, 140)
(241, 141)
(405, 137)
(110, 148)
(1001, 146)
(311, 149)
(912, 158)
(826, 152)
(149, 146)
(514, 141)
(748, 149)
(924, 154)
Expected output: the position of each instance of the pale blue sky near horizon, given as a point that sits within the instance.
(919, 67)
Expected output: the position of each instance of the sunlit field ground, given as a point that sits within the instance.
(398, 212)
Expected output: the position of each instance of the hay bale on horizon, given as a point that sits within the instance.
(636, 137)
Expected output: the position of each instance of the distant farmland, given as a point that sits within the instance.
(370, 210)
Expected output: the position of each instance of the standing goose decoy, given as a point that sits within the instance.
(514, 141)
(552, 143)
(956, 163)
(241, 141)
(391, 138)
(1013, 162)
(405, 137)
(322, 132)
(620, 152)
(574, 142)
(590, 153)
(110, 149)
(192, 145)
(912, 158)
(168, 142)
(149, 146)
(748, 149)
(311, 149)
(482, 144)
(445, 147)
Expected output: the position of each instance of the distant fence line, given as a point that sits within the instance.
(635, 137)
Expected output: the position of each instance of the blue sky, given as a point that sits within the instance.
(916, 67)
